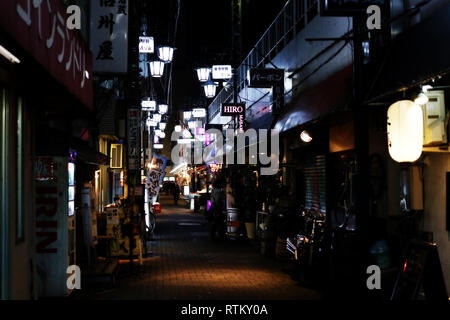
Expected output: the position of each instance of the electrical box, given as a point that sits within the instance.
(434, 132)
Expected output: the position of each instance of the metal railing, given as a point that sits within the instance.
(295, 15)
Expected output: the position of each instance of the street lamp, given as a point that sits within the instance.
(156, 68)
(210, 88)
(187, 115)
(163, 108)
(157, 117)
(165, 53)
(203, 74)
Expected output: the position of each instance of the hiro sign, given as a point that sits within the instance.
(235, 110)
(265, 78)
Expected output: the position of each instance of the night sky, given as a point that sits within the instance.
(204, 37)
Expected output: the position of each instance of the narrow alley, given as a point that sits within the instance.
(184, 263)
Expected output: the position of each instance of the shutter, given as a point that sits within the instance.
(315, 185)
(116, 156)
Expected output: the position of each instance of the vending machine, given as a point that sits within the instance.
(55, 224)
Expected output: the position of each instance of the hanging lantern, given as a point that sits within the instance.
(165, 53)
(210, 88)
(162, 125)
(203, 74)
(191, 124)
(177, 128)
(187, 115)
(151, 123)
(163, 108)
(157, 117)
(405, 131)
(156, 68)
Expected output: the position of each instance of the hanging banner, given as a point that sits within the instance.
(109, 35)
(155, 176)
(133, 139)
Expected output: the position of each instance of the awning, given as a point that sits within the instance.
(416, 55)
(322, 99)
(89, 155)
(52, 142)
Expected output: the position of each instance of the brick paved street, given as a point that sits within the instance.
(186, 264)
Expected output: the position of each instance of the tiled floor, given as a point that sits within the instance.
(185, 264)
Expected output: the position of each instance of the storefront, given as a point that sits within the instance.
(45, 85)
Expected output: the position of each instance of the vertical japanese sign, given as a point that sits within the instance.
(155, 176)
(40, 28)
(133, 139)
(109, 35)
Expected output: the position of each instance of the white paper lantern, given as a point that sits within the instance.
(162, 125)
(405, 131)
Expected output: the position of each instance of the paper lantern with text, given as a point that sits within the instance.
(405, 131)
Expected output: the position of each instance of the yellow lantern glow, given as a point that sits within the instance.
(405, 131)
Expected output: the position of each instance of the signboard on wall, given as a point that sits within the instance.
(221, 72)
(40, 28)
(265, 78)
(146, 45)
(109, 35)
(133, 139)
(235, 110)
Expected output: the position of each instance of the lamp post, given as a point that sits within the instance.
(210, 88)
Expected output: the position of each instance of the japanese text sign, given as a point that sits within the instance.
(40, 28)
(109, 35)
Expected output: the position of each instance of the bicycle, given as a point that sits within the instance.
(150, 229)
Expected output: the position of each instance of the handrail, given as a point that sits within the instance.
(298, 10)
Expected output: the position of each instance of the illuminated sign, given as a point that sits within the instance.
(235, 110)
(199, 113)
(146, 45)
(148, 105)
(221, 72)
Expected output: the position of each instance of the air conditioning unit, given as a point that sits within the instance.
(116, 156)
(435, 132)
